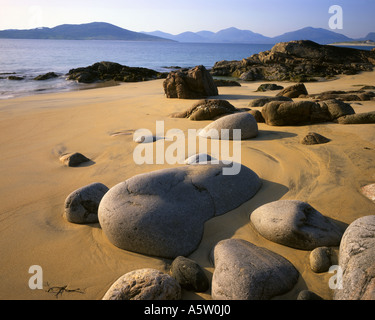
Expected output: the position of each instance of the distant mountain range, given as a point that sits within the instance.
(106, 31)
(87, 31)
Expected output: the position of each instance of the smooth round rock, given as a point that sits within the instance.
(189, 275)
(244, 271)
(242, 121)
(162, 213)
(144, 284)
(320, 259)
(295, 224)
(81, 206)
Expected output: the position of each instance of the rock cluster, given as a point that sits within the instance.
(195, 83)
(105, 71)
(297, 61)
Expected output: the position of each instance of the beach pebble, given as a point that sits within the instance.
(357, 261)
(73, 159)
(81, 206)
(314, 138)
(295, 224)
(189, 275)
(320, 259)
(244, 271)
(162, 213)
(243, 121)
(199, 158)
(145, 139)
(144, 284)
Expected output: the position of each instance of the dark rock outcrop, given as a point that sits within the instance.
(106, 71)
(195, 83)
(269, 87)
(358, 95)
(46, 76)
(297, 61)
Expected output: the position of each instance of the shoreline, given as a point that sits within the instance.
(34, 184)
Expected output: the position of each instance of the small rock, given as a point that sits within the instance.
(320, 259)
(308, 295)
(144, 284)
(295, 224)
(243, 121)
(369, 191)
(294, 91)
(244, 271)
(189, 275)
(81, 206)
(314, 138)
(49, 75)
(269, 86)
(73, 159)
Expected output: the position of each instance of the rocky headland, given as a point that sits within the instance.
(298, 61)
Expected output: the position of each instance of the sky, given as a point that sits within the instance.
(268, 17)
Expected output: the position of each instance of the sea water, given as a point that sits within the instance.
(30, 58)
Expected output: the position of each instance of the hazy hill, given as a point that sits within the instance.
(234, 35)
(87, 31)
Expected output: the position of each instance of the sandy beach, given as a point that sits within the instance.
(99, 123)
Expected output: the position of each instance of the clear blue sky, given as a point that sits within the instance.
(268, 17)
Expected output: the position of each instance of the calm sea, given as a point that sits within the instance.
(29, 58)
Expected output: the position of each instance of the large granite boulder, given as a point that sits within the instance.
(81, 206)
(105, 71)
(241, 121)
(357, 261)
(162, 213)
(244, 271)
(144, 284)
(196, 83)
(207, 110)
(359, 118)
(295, 224)
(297, 61)
(278, 113)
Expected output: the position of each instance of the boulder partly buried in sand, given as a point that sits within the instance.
(73, 159)
(357, 260)
(244, 271)
(295, 224)
(314, 138)
(359, 118)
(196, 83)
(260, 102)
(162, 213)
(240, 121)
(144, 284)
(81, 206)
(207, 110)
